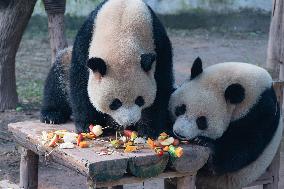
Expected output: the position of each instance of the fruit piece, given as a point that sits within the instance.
(151, 144)
(115, 143)
(123, 139)
(134, 135)
(91, 127)
(66, 145)
(172, 150)
(139, 140)
(83, 144)
(168, 141)
(159, 151)
(79, 139)
(54, 141)
(179, 152)
(61, 133)
(127, 133)
(129, 143)
(50, 135)
(70, 137)
(164, 134)
(130, 149)
(97, 130)
(157, 143)
(44, 136)
(90, 135)
(176, 142)
(166, 148)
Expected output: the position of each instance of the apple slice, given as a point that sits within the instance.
(168, 141)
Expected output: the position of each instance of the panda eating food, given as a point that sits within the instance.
(120, 73)
(232, 109)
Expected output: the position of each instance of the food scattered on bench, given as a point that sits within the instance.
(165, 143)
(128, 141)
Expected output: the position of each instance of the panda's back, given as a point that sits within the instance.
(122, 32)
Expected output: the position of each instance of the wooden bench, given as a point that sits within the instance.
(108, 170)
(118, 169)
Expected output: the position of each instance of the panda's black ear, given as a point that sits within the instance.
(147, 61)
(235, 93)
(196, 68)
(97, 65)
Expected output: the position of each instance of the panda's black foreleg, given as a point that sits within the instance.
(83, 111)
(55, 106)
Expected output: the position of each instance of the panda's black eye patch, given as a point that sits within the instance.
(180, 110)
(201, 123)
(115, 104)
(140, 101)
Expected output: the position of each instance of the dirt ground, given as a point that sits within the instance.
(33, 62)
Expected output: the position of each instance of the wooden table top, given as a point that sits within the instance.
(142, 164)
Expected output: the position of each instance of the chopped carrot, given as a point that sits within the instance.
(130, 149)
(179, 152)
(150, 142)
(166, 148)
(83, 144)
(54, 141)
(79, 139)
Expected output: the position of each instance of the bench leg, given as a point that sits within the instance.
(187, 182)
(28, 169)
(92, 185)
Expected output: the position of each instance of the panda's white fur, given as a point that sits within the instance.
(121, 33)
(204, 95)
(248, 174)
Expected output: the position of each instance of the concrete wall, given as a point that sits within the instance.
(84, 7)
(220, 6)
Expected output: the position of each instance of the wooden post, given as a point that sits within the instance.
(275, 51)
(28, 169)
(274, 170)
(55, 11)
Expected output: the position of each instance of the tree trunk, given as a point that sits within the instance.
(55, 11)
(275, 53)
(13, 21)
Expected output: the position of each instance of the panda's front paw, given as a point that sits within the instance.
(81, 127)
(203, 141)
(52, 117)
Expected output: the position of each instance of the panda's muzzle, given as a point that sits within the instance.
(127, 116)
(179, 136)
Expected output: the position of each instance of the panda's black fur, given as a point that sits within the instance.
(246, 138)
(154, 118)
(55, 105)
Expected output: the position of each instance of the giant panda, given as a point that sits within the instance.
(120, 73)
(232, 109)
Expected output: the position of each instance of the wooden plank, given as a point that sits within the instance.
(192, 160)
(147, 167)
(28, 169)
(89, 163)
(186, 182)
(128, 179)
